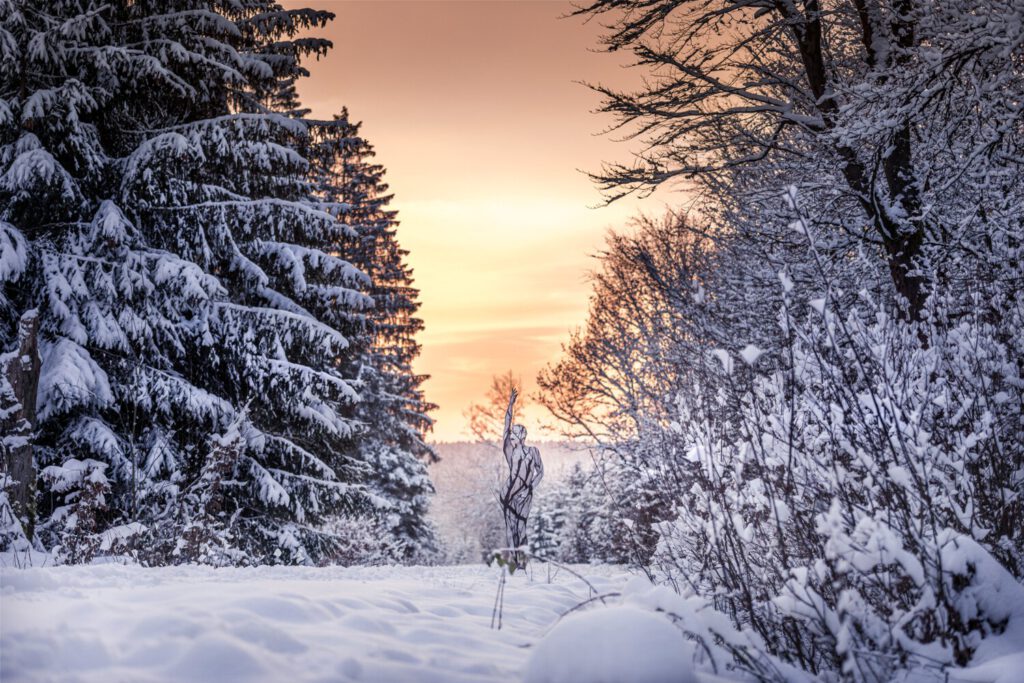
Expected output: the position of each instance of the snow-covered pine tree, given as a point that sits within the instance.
(581, 518)
(67, 249)
(547, 521)
(393, 411)
(156, 210)
(206, 531)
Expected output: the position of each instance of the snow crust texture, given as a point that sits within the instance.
(117, 623)
(107, 623)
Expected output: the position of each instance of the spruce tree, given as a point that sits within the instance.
(156, 209)
(393, 411)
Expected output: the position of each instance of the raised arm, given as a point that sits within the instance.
(507, 437)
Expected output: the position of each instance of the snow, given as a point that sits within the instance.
(787, 283)
(724, 358)
(69, 378)
(109, 537)
(750, 354)
(70, 475)
(1006, 669)
(620, 644)
(12, 252)
(993, 596)
(114, 622)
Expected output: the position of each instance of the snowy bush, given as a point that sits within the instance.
(816, 392)
(828, 482)
(202, 529)
(12, 534)
(78, 522)
(826, 473)
(364, 541)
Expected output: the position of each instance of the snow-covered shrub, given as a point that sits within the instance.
(807, 456)
(719, 646)
(819, 400)
(830, 478)
(202, 528)
(12, 534)
(77, 523)
(364, 540)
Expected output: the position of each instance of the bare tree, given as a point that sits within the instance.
(899, 119)
(483, 417)
(647, 321)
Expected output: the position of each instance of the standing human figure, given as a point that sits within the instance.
(525, 471)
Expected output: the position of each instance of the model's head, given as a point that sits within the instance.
(519, 432)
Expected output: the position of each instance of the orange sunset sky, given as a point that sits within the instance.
(473, 109)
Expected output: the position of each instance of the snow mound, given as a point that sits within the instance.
(619, 644)
(1006, 669)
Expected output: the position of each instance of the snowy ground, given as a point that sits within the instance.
(119, 623)
(114, 623)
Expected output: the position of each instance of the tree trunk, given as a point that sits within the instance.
(902, 250)
(20, 371)
(902, 255)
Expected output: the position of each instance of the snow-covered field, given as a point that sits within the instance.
(123, 623)
(112, 623)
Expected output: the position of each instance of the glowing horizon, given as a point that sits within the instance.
(473, 110)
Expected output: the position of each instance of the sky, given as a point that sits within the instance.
(476, 110)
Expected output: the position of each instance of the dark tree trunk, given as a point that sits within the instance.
(902, 248)
(20, 369)
(902, 255)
